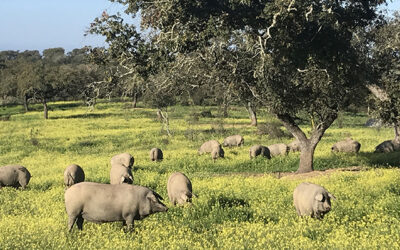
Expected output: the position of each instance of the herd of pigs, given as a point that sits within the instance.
(122, 201)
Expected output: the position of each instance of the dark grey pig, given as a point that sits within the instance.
(278, 149)
(347, 146)
(387, 147)
(179, 189)
(156, 154)
(312, 200)
(14, 176)
(73, 174)
(257, 150)
(100, 203)
(233, 140)
(120, 174)
(124, 159)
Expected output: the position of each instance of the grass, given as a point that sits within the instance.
(239, 205)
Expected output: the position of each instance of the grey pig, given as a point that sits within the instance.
(387, 147)
(294, 146)
(156, 154)
(257, 150)
(96, 202)
(233, 140)
(120, 174)
(217, 152)
(14, 176)
(124, 159)
(208, 146)
(348, 146)
(179, 188)
(73, 174)
(312, 200)
(278, 149)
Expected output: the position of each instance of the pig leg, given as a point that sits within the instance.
(79, 222)
(71, 222)
(129, 222)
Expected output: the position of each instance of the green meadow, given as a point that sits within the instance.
(241, 203)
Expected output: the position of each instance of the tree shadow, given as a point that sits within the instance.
(391, 159)
(80, 116)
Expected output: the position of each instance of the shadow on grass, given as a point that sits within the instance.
(88, 115)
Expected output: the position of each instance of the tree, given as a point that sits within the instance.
(385, 56)
(301, 52)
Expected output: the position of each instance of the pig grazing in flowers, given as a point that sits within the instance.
(233, 140)
(100, 203)
(257, 150)
(121, 172)
(212, 147)
(73, 174)
(388, 146)
(179, 188)
(14, 176)
(278, 149)
(312, 200)
(156, 154)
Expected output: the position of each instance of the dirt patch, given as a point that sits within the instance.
(295, 176)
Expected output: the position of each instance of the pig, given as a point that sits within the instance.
(387, 147)
(294, 146)
(120, 174)
(14, 176)
(156, 154)
(257, 150)
(312, 200)
(278, 149)
(124, 159)
(96, 202)
(217, 152)
(348, 146)
(208, 147)
(73, 174)
(179, 189)
(233, 140)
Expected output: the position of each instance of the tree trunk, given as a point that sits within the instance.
(165, 120)
(306, 157)
(225, 109)
(134, 101)
(159, 115)
(396, 133)
(45, 110)
(252, 114)
(26, 103)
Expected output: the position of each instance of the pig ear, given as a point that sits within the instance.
(158, 196)
(319, 197)
(331, 196)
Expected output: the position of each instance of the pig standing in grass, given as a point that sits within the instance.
(156, 154)
(348, 146)
(257, 150)
(294, 146)
(73, 174)
(100, 203)
(14, 176)
(212, 147)
(179, 189)
(124, 159)
(312, 200)
(120, 174)
(278, 149)
(233, 140)
(388, 146)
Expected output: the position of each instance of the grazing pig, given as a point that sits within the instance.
(100, 203)
(124, 159)
(208, 147)
(348, 146)
(233, 140)
(278, 149)
(294, 146)
(217, 152)
(156, 154)
(73, 174)
(179, 189)
(387, 147)
(120, 174)
(14, 176)
(257, 150)
(311, 199)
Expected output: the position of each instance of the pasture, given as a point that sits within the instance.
(241, 203)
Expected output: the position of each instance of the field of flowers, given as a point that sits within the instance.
(241, 203)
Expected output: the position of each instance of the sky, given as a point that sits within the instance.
(43, 24)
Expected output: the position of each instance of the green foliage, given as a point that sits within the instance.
(240, 203)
